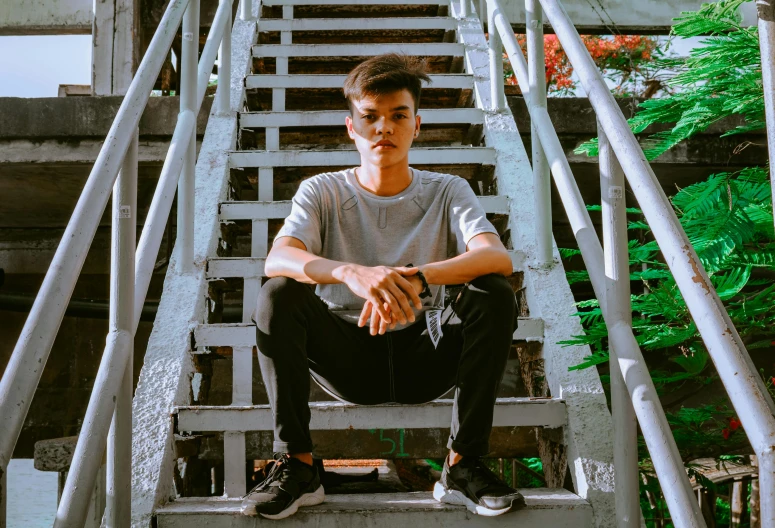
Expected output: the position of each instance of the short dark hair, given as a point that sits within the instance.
(385, 74)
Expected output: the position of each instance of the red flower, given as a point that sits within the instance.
(725, 432)
(734, 424)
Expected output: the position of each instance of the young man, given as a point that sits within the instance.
(380, 241)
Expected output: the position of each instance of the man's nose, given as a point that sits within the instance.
(384, 126)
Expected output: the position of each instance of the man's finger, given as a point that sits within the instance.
(364, 314)
(390, 295)
(407, 287)
(375, 319)
(400, 295)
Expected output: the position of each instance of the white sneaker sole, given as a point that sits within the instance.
(455, 497)
(308, 499)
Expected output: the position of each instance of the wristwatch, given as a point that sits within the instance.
(426, 290)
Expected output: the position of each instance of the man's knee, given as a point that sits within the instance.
(277, 295)
(493, 295)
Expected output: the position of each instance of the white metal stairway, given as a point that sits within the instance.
(291, 127)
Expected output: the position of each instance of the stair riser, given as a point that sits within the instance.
(555, 518)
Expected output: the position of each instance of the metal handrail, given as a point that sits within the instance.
(29, 357)
(736, 370)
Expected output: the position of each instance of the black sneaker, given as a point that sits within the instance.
(471, 484)
(290, 483)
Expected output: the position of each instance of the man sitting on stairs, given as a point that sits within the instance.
(379, 241)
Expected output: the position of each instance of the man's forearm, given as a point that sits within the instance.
(302, 266)
(468, 266)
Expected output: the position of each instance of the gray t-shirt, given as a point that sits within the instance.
(431, 220)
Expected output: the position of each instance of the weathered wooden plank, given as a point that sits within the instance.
(527, 412)
(431, 49)
(343, 158)
(447, 81)
(364, 24)
(430, 116)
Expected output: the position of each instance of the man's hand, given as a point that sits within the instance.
(379, 324)
(387, 291)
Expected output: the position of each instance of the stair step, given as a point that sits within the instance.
(429, 49)
(244, 334)
(545, 507)
(351, 157)
(431, 116)
(444, 81)
(495, 204)
(253, 267)
(269, 3)
(365, 24)
(517, 412)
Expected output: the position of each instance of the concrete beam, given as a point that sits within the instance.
(45, 17)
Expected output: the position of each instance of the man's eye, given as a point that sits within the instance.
(368, 116)
(400, 116)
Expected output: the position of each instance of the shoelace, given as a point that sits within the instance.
(279, 465)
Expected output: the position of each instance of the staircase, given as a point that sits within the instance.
(290, 111)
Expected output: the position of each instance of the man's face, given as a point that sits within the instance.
(383, 128)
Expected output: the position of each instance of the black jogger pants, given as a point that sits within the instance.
(296, 334)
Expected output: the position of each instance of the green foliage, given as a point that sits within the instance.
(720, 78)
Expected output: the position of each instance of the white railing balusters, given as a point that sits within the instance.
(188, 97)
(617, 292)
(495, 50)
(224, 64)
(541, 178)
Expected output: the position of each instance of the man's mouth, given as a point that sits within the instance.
(385, 144)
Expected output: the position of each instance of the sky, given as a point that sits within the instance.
(35, 66)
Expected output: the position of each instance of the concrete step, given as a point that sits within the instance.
(430, 49)
(554, 508)
(443, 81)
(366, 24)
(228, 211)
(326, 416)
(434, 116)
(351, 158)
(253, 267)
(244, 334)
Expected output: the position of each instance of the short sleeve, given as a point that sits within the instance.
(305, 219)
(467, 217)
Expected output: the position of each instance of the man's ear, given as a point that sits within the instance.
(348, 121)
(417, 121)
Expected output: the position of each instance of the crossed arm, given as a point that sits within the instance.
(389, 291)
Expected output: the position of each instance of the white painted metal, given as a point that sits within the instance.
(590, 455)
(438, 81)
(617, 272)
(214, 40)
(363, 24)
(224, 64)
(464, 8)
(766, 24)
(122, 297)
(102, 48)
(425, 49)
(656, 430)
(517, 412)
(244, 334)
(496, 204)
(741, 379)
(3, 495)
(234, 464)
(351, 158)
(246, 9)
(495, 50)
(430, 116)
(555, 508)
(541, 177)
(168, 367)
(352, 2)
(23, 371)
(253, 268)
(184, 244)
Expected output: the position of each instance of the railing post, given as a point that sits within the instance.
(3, 492)
(766, 14)
(496, 60)
(246, 9)
(122, 282)
(542, 184)
(463, 13)
(188, 102)
(224, 66)
(617, 292)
